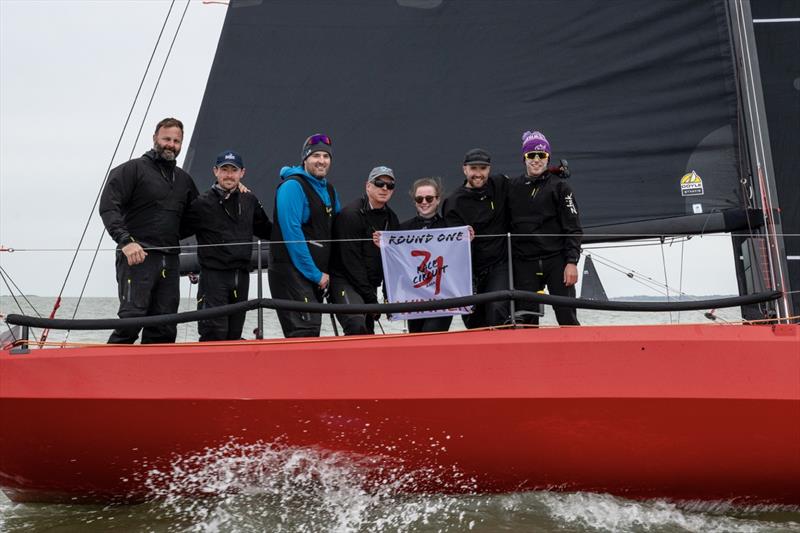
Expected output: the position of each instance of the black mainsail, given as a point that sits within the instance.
(644, 99)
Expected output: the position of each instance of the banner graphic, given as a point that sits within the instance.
(427, 264)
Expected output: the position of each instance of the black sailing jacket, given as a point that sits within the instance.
(418, 222)
(545, 207)
(485, 210)
(145, 200)
(217, 217)
(359, 261)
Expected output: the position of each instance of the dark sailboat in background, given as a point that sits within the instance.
(591, 286)
(657, 105)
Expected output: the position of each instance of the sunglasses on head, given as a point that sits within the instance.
(537, 155)
(318, 138)
(429, 199)
(379, 183)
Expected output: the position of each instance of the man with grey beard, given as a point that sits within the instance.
(142, 206)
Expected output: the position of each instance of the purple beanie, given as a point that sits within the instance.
(534, 141)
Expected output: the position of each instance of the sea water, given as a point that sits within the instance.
(268, 487)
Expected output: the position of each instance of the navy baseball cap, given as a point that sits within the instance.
(229, 157)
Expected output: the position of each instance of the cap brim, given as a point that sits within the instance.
(485, 163)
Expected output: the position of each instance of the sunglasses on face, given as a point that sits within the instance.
(429, 199)
(537, 155)
(318, 139)
(379, 183)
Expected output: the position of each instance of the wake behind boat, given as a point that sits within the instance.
(684, 412)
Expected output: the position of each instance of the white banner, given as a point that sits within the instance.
(427, 264)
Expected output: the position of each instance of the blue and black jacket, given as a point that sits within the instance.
(303, 222)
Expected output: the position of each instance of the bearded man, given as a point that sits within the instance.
(481, 204)
(141, 206)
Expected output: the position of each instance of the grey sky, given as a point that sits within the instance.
(68, 74)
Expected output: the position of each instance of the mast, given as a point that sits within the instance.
(768, 249)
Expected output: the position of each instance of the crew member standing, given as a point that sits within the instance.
(426, 194)
(141, 206)
(542, 207)
(481, 203)
(225, 220)
(357, 270)
(305, 204)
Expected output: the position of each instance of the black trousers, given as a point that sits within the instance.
(287, 283)
(427, 325)
(342, 292)
(536, 274)
(494, 278)
(222, 287)
(149, 288)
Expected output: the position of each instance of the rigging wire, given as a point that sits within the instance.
(680, 277)
(637, 277)
(590, 246)
(158, 80)
(139, 132)
(136, 140)
(6, 279)
(108, 169)
(652, 284)
(634, 275)
(188, 306)
(776, 271)
(633, 245)
(750, 239)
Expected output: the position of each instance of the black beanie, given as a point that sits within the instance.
(316, 143)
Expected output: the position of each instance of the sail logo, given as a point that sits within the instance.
(692, 184)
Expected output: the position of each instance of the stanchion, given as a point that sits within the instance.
(22, 347)
(260, 330)
(512, 306)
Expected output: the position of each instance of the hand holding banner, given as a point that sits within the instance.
(427, 264)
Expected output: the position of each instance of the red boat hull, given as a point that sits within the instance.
(681, 412)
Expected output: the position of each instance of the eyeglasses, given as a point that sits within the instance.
(379, 183)
(429, 199)
(318, 138)
(536, 155)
